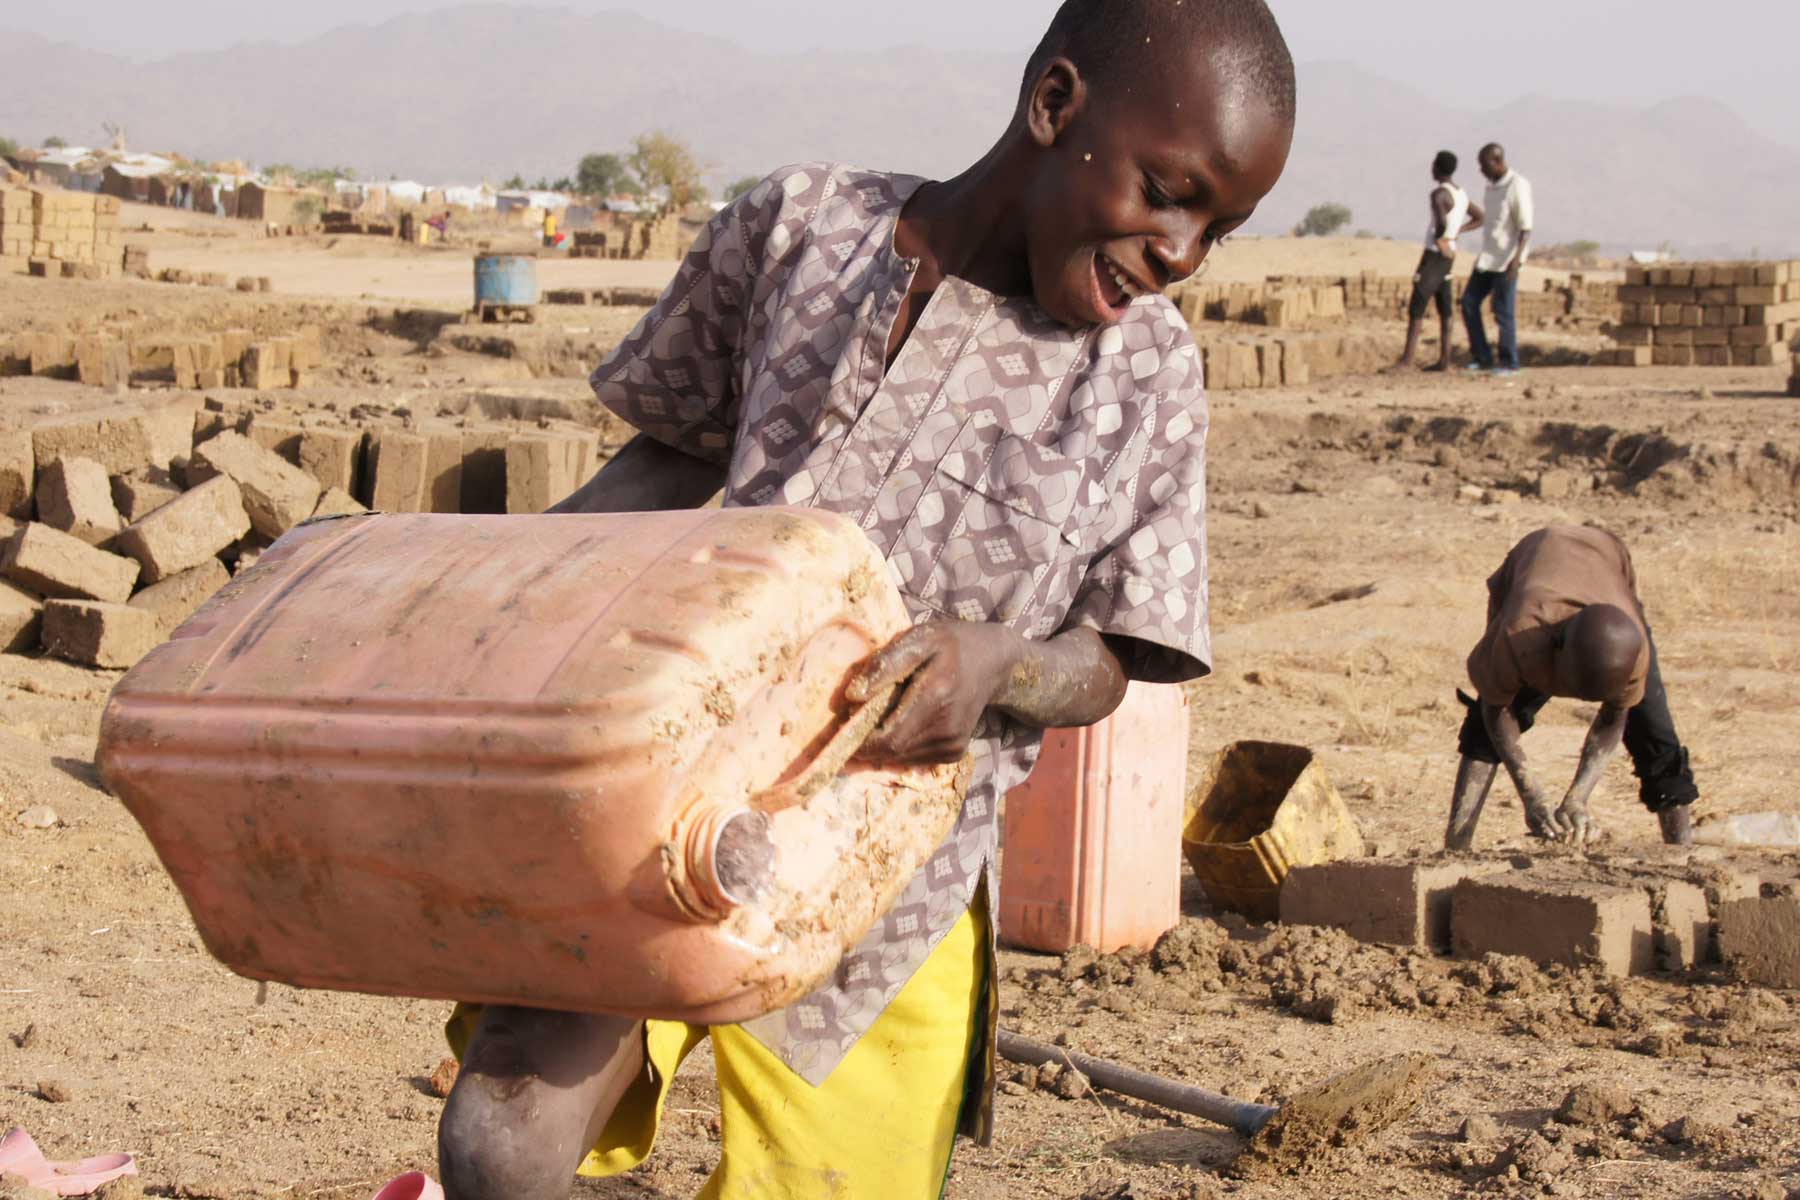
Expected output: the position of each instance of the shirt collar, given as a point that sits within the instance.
(1505, 179)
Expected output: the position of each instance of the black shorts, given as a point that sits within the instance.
(1432, 282)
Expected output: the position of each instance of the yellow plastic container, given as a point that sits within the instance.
(1261, 809)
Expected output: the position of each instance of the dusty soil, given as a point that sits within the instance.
(1352, 525)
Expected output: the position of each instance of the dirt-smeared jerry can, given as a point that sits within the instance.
(590, 763)
(1092, 841)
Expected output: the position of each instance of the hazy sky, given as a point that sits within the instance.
(1630, 51)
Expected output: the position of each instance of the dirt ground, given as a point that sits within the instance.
(1351, 525)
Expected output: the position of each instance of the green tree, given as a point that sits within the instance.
(515, 184)
(602, 175)
(740, 187)
(8, 147)
(54, 143)
(1323, 220)
(661, 160)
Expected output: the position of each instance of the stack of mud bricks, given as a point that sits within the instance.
(50, 233)
(1708, 315)
(1630, 919)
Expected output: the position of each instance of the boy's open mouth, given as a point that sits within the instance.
(1113, 288)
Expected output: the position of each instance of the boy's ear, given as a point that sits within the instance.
(1059, 94)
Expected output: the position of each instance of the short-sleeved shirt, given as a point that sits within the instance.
(1009, 469)
(1510, 214)
(1547, 578)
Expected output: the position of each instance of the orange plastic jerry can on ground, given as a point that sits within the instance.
(1091, 849)
(590, 763)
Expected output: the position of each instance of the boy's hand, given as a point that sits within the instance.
(951, 671)
(1572, 822)
(1540, 817)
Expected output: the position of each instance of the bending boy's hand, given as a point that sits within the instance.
(951, 671)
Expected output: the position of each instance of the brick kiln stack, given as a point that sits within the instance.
(1708, 315)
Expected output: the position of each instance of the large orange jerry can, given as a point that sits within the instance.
(1092, 841)
(591, 763)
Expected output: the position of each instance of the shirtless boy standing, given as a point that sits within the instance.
(983, 373)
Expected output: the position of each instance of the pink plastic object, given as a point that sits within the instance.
(590, 763)
(20, 1156)
(414, 1185)
(1092, 849)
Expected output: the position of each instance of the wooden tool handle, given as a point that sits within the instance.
(832, 759)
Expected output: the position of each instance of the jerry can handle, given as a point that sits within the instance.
(832, 759)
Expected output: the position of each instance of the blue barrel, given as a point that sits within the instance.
(506, 279)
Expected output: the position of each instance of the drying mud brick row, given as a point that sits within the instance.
(184, 533)
(57, 566)
(277, 495)
(542, 470)
(1391, 901)
(1708, 315)
(113, 636)
(17, 473)
(75, 496)
(49, 232)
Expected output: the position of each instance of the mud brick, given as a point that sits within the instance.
(114, 636)
(1755, 335)
(1703, 275)
(1680, 276)
(1637, 276)
(20, 616)
(1269, 363)
(1666, 296)
(141, 493)
(232, 345)
(1634, 335)
(185, 532)
(334, 457)
(1295, 370)
(118, 438)
(1634, 356)
(59, 566)
(52, 355)
(1392, 901)
(1712, 337)
(179, 597)
(191, 357)
(1693, 316)
(336, 502)
(1760, 295)
(1554, 922)
(1714, 296)
(1637, 294)
(417, 472)
(1683, 922)
(267, 365)
(102, 361)
(277, 494)
(1768, 274)
(569, 296)
(1759, 938)
(1668, 314)
(75, 496)
(18, 472)
(542, 469)
(277, 437)
(484, 470)
(38, 268)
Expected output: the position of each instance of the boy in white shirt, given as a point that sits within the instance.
(1510, 217)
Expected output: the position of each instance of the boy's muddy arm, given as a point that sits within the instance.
(1602, 742)
(1503, 728)
(646, 476)
(955, 670)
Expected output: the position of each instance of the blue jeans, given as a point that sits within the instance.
(1504, 289)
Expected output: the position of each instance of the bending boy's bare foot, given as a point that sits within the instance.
(1439, 367)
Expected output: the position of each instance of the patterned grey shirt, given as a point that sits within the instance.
(1009, 469)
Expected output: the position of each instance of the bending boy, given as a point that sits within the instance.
(1564, 619)
(983, 373)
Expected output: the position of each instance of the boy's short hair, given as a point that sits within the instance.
(1444, 164)
(1109, 39)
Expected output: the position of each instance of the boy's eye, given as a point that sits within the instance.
(1155, 195)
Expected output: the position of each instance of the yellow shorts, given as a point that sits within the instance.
(883, 1124)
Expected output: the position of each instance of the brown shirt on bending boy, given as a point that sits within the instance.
(1564, 619)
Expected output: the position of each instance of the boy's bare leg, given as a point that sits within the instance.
(1443, 362)
(1473, 779)
(535, 1090)
(1413, 329)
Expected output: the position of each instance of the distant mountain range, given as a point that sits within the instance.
(487, 90)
